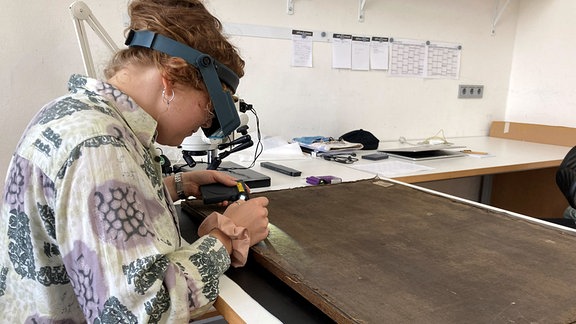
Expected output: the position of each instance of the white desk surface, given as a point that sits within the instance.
(504, 156)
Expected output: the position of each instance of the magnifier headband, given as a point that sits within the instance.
(213, 74)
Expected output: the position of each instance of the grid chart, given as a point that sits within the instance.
(407, 59)
(443, 62)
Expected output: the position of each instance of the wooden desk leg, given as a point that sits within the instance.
(209, 314)
(221, 308)
(227, 312)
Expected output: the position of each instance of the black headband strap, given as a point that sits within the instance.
(213, 73)
(152, 40)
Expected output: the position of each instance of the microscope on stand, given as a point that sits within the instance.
(210, 150)
(200, 145)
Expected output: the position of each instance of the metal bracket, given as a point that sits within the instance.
(498, 13)
(361, 6)
(290, 7)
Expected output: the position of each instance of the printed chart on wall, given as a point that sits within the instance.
(360, 53)
(415, 58)
(341, 51)
(379, 53)
(302, 48)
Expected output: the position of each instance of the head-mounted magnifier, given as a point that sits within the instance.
(213, 74)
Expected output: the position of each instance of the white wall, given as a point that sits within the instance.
(543, 74)
(38, 51)
(302, 101)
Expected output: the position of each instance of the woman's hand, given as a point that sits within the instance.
(251, 214)
(194, 179)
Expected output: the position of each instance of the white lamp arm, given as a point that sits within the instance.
(80, 12)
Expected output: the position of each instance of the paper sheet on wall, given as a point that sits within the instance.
(379, 52)
(360, 53)
(302, 48)
(341, 51)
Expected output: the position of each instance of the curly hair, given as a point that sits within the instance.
(186, 21)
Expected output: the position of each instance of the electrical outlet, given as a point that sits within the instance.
(470, 91)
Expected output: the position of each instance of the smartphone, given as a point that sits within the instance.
(375, 156)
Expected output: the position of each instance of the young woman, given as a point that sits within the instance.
(88, 229)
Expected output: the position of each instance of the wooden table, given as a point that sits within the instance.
(376, 251)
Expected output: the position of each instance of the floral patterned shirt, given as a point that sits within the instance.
(88, 232)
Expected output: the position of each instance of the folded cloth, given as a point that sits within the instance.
(311, 139)
(325, 144)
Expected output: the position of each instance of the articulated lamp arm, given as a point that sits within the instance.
(80, 12)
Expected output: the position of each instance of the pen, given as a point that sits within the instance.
(474, 152)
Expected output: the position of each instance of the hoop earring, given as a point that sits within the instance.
(167, 100)
(210, 109)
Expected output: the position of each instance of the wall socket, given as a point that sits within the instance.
(470, 91)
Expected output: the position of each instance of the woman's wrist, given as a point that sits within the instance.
(179, 186)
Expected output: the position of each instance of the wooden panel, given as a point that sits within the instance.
(544, 134)
(376, 252)
(533, 193)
